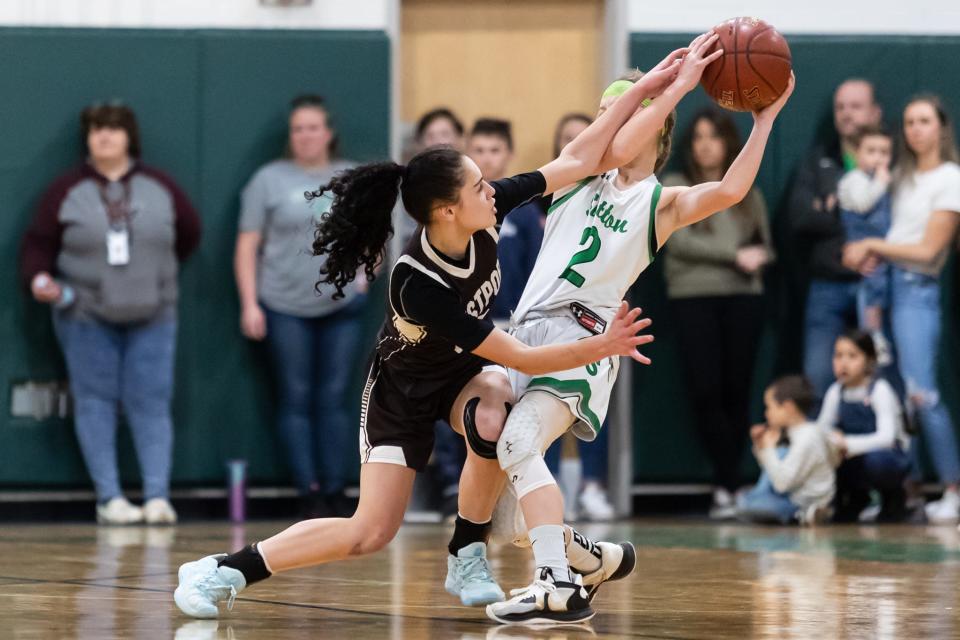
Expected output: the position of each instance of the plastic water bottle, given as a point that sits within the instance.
(67, 296)
(237, 489)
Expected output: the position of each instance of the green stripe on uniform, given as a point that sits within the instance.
(580, 185)
(652, 231)
(567, 388)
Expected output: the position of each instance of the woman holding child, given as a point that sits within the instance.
(925, 217)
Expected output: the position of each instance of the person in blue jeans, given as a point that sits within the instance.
(797, 482)
(104, 250)
(831, 304)
(926, 215)
(864, 416)
(313, 340)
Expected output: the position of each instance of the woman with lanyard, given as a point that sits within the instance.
(103, 250)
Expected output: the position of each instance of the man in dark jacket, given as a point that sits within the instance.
(815, 220)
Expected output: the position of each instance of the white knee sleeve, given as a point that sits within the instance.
(532, 425)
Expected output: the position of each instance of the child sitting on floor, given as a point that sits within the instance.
(798, 480)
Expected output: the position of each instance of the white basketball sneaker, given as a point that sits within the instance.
(203, 584)
(617, 561)
(545, 602)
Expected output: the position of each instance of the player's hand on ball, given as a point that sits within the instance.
(769, 114)
(663, 75)
(697, 59)
(622, 333)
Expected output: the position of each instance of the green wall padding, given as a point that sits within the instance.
(212, 108)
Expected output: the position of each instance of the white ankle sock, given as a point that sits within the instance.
(548, 550)
(583, 554)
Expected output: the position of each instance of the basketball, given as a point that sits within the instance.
(754, 69)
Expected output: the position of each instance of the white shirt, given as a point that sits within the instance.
(915, 199)
(859, 192)
(886, 407)
(806, 472)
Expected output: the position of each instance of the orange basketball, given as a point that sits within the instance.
(754, 69)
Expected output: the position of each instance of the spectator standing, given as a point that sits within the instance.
(714, 272)
(438, 127)
(309, 334)
(926, 214)
(103, 250)
(491, 146)
(831, 304)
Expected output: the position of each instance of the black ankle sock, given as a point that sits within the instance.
(466, 532)
(249, 562)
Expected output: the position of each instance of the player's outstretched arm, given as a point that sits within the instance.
(692, 204)
(646, 122)
(620, 339)
(580, 158)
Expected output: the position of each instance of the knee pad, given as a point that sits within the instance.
(483, 448)
(520, 447)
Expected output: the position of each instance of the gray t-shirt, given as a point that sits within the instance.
(273, 204)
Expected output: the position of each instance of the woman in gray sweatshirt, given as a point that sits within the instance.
(104, 250)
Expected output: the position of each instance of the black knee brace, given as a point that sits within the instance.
(481, 447)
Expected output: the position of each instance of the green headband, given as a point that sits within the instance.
(619, 87)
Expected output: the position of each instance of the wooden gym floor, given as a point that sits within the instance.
(694, 580)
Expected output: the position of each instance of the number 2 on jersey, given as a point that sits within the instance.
(591, 235)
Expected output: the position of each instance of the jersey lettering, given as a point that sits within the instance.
(480, 305)
(604, 213)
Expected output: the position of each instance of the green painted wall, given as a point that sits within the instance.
(666, 448)
(212, 108)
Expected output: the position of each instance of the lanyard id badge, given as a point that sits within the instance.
(118, 247)
(115, 197)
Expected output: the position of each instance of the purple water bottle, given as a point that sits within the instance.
(237, 487)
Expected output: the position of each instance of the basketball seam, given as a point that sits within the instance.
(736, 67)
(756, 72)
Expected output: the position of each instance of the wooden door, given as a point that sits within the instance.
(528, 61)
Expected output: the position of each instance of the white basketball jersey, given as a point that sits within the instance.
(597, 241)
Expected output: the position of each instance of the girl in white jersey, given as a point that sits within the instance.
(600, 236)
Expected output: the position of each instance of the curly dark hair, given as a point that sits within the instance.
(354, 233)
